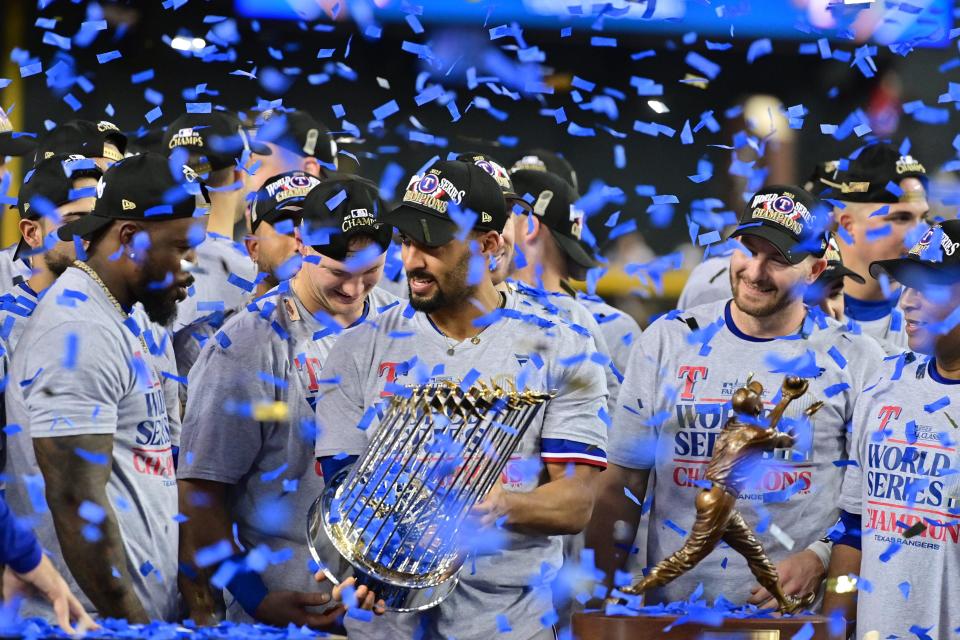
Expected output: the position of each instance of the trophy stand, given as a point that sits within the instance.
(597, 626)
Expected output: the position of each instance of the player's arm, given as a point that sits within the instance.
(560, 506)
(616, 518)
(204, 504)
(99, 565)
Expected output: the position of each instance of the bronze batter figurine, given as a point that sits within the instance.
(736, 450)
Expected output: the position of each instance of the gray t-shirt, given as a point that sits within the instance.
(12, 271)
(272, 353)
(541, 354)
(882, 320)
(78, 369)
(618, 328)
(676, 398)
(564, 308)
(709, 281)
(904, 445)
(224, 279)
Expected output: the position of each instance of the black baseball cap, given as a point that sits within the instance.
(281, 196)
(338, 210)
(554, 202)
(52, 180)
(425, 212)
(788, 217)
(867, 173)
(544, 160)
(835, 267)
(14, 143)
(495, 169)
(935, 259)
(141, 187)
(216, 138)
(297, 131)
(84, 138)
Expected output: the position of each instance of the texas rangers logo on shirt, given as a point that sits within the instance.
(910, 478)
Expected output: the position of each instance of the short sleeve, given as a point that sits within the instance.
(221, 439)
(576, 413)
(342, 418)
(73, 379)
(634, 434)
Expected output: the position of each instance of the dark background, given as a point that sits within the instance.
(663, 162)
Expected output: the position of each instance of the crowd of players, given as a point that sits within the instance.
(193, 340)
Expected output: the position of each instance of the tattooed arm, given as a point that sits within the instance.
(100, 567)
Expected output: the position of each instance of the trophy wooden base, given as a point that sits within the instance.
(597, 626)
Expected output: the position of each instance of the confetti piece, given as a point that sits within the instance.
(386, 110)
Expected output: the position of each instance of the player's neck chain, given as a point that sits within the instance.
(451, 345)
(83, 266)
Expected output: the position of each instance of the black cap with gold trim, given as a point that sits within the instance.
(872, 174)
(101, 139)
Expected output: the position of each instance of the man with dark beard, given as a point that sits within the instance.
(88, 373)
(458, 327)
(676, 396)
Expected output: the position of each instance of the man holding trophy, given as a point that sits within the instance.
(460, 338)
(676, 399)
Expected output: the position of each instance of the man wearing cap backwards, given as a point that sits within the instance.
(215, 146)
(88, 375)
(675, 399)
(880, 199)
(101, 141)
(901, 493)
(251, 411)
(827, 292)
(459, 326)
(294, 141)
(12, 144)
(549, 248)
(274, 213)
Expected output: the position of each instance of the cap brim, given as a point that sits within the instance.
(422, 225)
(782, 240)
(916, 274)
(841, 271)
(16, 145)
(260, 148)
(574, 250)
(83, 226)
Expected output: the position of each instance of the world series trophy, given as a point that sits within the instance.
(739, 444)
(393, 518)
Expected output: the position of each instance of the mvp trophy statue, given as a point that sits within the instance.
(738, 446)
(393, 518)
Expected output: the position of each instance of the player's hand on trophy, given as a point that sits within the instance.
(800, 573)
(281, 608)
(794, 387)
(493, 507)
(345, 595)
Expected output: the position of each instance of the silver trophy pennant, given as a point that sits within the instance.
(393, 518)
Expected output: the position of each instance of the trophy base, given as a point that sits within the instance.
(598, 626)
(337, 567)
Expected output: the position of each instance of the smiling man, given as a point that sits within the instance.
(545, 490)
(284, 336)
(676, 397)
(88, 373)
(901, 498)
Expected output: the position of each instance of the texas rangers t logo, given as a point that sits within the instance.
(690, 375)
